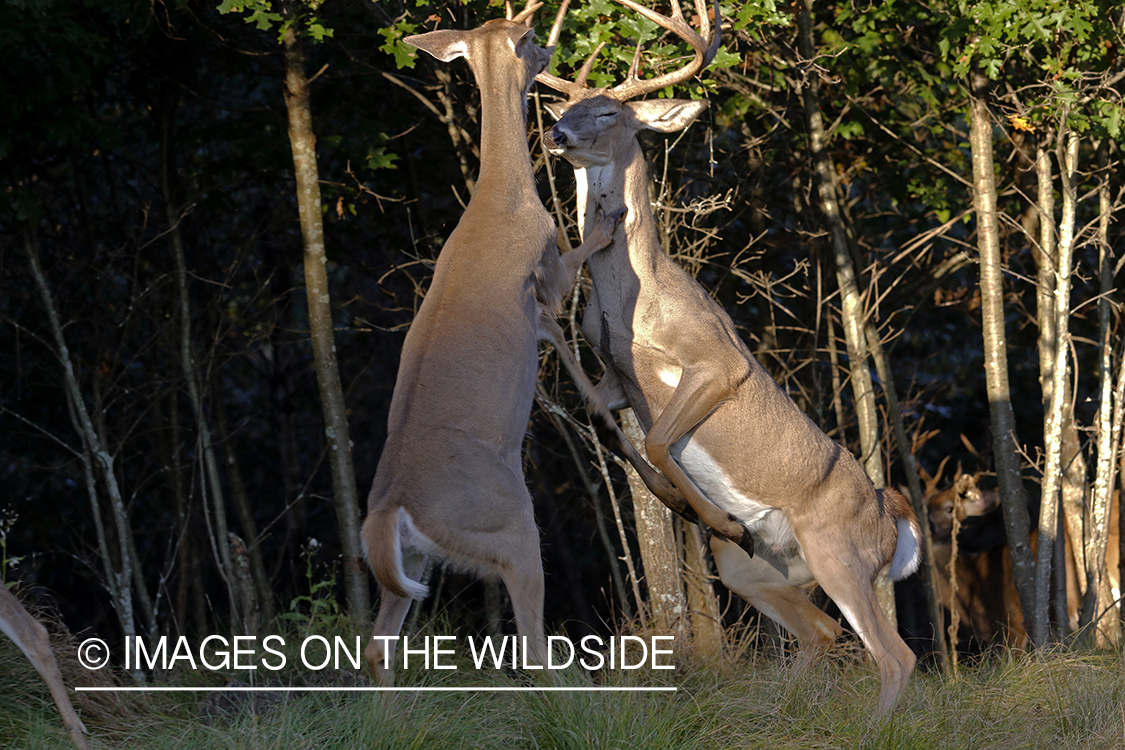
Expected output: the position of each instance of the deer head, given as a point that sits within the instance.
(596, 127)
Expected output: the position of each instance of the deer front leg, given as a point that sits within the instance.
(555, 275)
(32, 638)
(599, 236)
(608, 431)
(698, 393)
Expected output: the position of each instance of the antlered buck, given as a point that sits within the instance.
(450, 479)
(741, 452)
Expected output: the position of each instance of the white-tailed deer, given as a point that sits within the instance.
(450, 480)
(737, 447)
(959, 503)
(979, 588)
(31, 637)
(984, 596)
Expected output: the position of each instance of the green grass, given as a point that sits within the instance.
(1052, 700)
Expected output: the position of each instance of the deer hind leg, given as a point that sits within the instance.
(769, 590)
(32, 638)
(849, 583)
(524, 581)
(512, 551)
(696, 396)
(380, 652)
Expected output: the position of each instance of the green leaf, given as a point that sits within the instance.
(379, 158)
(404, 54)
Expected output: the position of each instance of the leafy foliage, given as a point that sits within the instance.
(99, 100)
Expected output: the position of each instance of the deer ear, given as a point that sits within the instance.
(667, 115)
(556, 109)
(444, 44)
(521, 35)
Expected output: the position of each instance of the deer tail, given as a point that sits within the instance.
(382, 545)
(908, 545)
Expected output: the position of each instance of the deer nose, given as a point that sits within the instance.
(555, 138)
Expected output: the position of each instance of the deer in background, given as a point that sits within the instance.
(744, 456)
(985, 597)
(450, 481)
(31, 637)
(979, 587)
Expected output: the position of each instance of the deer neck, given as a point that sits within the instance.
(506, 178)
(623, 181)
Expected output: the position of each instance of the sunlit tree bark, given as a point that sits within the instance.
(659, 557)
(345, 497)
(1039, 628)
(1098, 597)
(1004, 440)
(851, 301)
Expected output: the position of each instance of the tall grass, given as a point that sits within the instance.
(1049, 700)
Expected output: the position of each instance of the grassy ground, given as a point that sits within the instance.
(1059, 700)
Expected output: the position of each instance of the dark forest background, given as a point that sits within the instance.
(134, 133)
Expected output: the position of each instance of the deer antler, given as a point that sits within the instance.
(524, 16)
(932, 482)
(561, 84)
(556, 27)
(633, 86)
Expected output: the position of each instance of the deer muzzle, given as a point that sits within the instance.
(555, 140)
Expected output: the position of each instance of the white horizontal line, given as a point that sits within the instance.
(80, 689)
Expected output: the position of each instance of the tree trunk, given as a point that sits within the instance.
(97, 460)
(619, 523)
(1096, 600)
(1072, 462)
(1004, 447)
(914, 483)
(851, 302)
(837, 385)
(192, 376)
(1038, 630)
(603, 533)
(303, 143)
(659, 558)
(703, 605)
(263, 593)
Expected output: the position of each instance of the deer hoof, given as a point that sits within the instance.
(747, 541)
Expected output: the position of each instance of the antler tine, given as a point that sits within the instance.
(635, 65)
(704, 54)
(556, 27)
(940, 470)
(569, 88)
(584, 71)
(524, 16)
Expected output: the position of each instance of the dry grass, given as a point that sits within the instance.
(1050, 700)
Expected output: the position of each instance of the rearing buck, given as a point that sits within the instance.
(718, 426)
(450, 479)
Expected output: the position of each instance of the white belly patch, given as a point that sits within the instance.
(766, 522)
